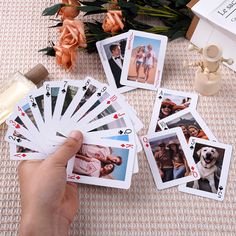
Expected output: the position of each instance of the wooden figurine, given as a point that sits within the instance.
(207, 77)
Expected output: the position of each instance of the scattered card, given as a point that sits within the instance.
(212, 160)
(191, 124)
(144, 60)
(112, 53)
(169, 158)
(169, 102)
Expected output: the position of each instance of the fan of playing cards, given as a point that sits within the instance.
(43, 120)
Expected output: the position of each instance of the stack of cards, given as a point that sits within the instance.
(133, 60)
(181, 149)
(44, 119)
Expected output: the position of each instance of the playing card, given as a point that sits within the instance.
(112, 52)
(45, 117)
(169, 102)
(21, 153)
(24, 110)
(80, 105)
(212, 160)
(144, 60)
(106, 164)
(14, 137)
(169, 158)
(190, 122)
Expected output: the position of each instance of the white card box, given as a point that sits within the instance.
(217, 24)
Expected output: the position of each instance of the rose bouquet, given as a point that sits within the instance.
(119, 16)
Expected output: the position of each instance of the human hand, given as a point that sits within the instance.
(48, 202)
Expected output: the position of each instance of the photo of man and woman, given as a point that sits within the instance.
(101, 162)
(170, 158)
(189, 126)
(144, 57)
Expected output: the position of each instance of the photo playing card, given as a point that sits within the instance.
(14, 137)
(191, 124)
(24, 110)
(106, 164)
(36, 102)
(112, 52)
(144, 60)
(80, 105)
(169, 158)
(15, 122)
(51, 90)
(123, 134)
(169, 102)
(21, 153)
(212, 160)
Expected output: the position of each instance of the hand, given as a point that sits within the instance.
(48, 202)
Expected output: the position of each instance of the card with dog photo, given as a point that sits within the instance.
(112, 52)
(169, 102)
(169, 158)
(191, 124)
(144, 60)
(212, 160)
(109, 164)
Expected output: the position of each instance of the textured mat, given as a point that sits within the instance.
(141, 210)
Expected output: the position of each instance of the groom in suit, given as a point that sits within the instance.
(116, 63)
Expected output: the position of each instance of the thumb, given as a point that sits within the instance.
(68, 149)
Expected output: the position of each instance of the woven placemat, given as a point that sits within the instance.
(141, 210)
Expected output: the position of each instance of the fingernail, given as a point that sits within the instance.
(77, 135)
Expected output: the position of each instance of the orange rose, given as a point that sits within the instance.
(113, 21)
(72, 34)
(69, 12)
(72, 37)
(65, 57)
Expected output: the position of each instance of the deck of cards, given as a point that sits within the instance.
(181, 149)
(45, 117)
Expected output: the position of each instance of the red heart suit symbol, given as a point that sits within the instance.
(17, 126)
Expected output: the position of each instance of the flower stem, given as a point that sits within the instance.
(148, 11)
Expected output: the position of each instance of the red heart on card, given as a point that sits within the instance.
(23, 114)
(192, 168)
(147, 145)
(17, 126)
(23, 155)
(122, 145)
(115, 116)
(77, 177)
(108, 102)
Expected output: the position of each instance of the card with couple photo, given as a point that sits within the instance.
(133, 60)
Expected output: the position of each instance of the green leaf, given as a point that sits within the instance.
(94, 3)
(57, 25)
(49, 51)
(50, 11)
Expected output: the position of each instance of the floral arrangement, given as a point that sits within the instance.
(119, 17)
